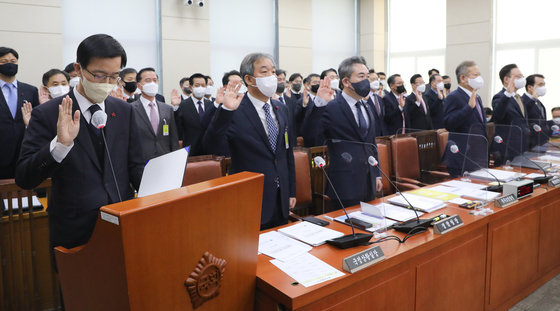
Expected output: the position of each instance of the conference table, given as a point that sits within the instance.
(489, 263)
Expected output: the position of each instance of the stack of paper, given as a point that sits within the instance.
(378, 223)
(434, 193)
(503, 176)
(309, 233)
(426, 205)
(389, 211)
(307, 269)
(471, 193)
(463, 184)
(281, 247)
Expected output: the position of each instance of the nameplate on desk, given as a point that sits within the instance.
(505, 200)
(447, 224)
(110, 218)
(554, 182)
(363, 259)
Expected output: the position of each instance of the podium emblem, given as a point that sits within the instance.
(204, 282)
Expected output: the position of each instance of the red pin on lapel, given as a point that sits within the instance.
(113, 114)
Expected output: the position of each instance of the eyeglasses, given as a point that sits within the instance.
(102, 78)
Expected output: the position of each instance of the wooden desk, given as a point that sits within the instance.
(490, 263)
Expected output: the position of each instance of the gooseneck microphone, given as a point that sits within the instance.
(409, 225)
(541, 179)
(455, 149)
(350, 240)
(537, 128)
(99, 120)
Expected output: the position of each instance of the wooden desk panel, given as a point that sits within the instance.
(549, 237)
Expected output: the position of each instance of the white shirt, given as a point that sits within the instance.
(352, 103)
(60, 151)
(466, 91)
(5, 91)
(397, 97)
(184, 96)
(260, 110)
(146, 103)
(195, 102)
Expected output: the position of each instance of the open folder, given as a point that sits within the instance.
(164, 173)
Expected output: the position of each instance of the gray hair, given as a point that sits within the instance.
(463, 69)
(346, 68)
(248, 64)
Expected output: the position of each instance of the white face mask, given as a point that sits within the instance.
(57, 91)
(556, 120)
(476, 83)
(267, 85)
(488, 119)
(74, 81)
(520, 83)
(209, 90)
(383, 82)
(242, 89)
(374, 85)
(440, 86)
(96, 91)
(334, 84)
(199, 91)
(421, 88)
(150, 89)
(541, 90)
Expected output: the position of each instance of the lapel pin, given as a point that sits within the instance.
(113, 114)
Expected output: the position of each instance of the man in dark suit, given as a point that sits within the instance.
(61, 143)
(376, 103)
(510, 117)
(289, 102)
(12, 98)
(310, 129)
(295, 84)
(464, 119)
(190, 114)
(128, 84)
(154, 119)
(348, 125)
(255, 128)
(434, 100)
(536, 112)
(394, 105)
(416, 112)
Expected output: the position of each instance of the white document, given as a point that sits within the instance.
(463, 184)
(378, 224)
(459, 201)
(164, 173)
(501, 175)
(309, 233)
(280, 246)
(389, 211)
(424, 204)
(470, 193)
(15, 206)
(549, 158)
(307, 269)
(534, 175)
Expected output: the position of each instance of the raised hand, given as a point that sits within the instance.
(401, 100)
(232, 98)
(118, 93)
(439, 93)
(534, 93)
(288, 93)
(175, 98)
(220, 95)
(43, 95)
(511, 86)
(325, 91)
(305, 97)
(292, 202)
(381, 92)
(67, 127)
(472, 100)
(26, 112)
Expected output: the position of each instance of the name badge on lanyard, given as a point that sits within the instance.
(165, 128)
(286, 138)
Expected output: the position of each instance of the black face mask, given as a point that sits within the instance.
(296, 87)
(315, 88)
(187, 90)
(400, 89)
(9, 69)
(361, 88)
(280, 88)
(447, 86)
(130, 86)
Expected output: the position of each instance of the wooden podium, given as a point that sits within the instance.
(194, 247)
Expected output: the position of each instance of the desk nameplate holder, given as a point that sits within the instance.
(505, 200)
(554, 182)
(447, 224)
(363, 259)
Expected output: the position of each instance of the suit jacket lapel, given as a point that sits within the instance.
(281, 124)
(83, 139)
(192, 112)
(371, 120)
(253, 116)
(111, 128)
(349, 115)
(4, 109)
(142, 112)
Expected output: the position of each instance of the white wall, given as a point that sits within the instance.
(131, 22)
(236, 30)
(333, 33)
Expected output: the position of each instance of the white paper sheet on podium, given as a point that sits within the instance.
(164, 173)
(307, 269)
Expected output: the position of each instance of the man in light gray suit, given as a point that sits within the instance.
(154, 119)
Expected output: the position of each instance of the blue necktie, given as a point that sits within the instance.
(12, 98)
(272, 127)
(362, 125)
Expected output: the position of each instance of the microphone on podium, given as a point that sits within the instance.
(537, 128)
(99, 120)
(455, 149)
(350, 240)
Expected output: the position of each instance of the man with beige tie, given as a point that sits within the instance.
(154, 119)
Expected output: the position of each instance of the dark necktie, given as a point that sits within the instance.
(281, 99)
(376, 102)
(271, 126)
(538, 103)
(200, 109)
(362, 125)
(478, 104)
(93, 109)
